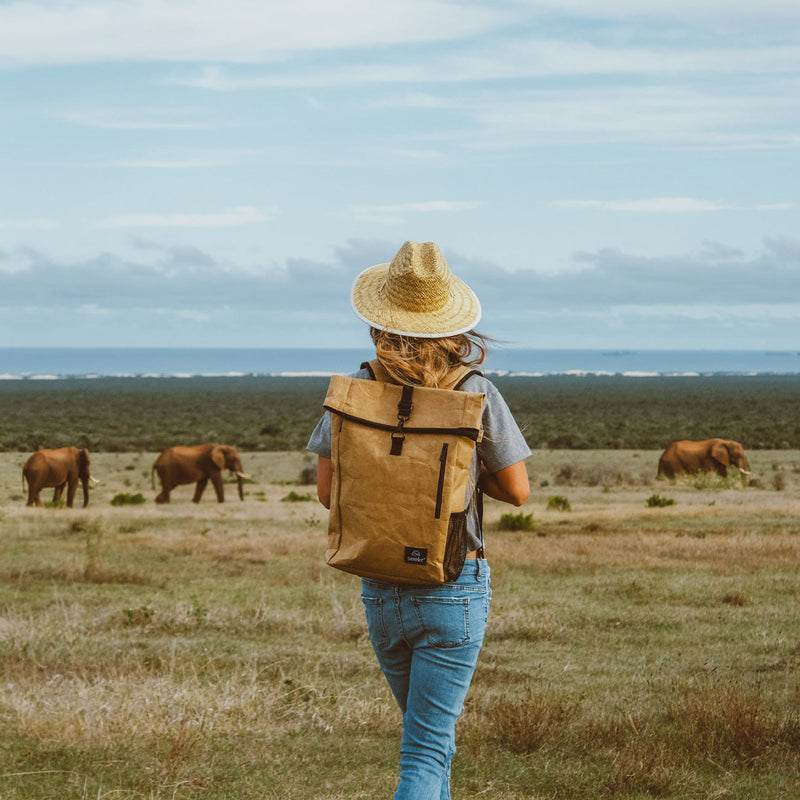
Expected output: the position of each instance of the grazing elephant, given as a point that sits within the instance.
(180, 465)
(711, 455)
(57, 468)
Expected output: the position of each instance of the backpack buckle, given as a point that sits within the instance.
(405, 406)
(398, 437)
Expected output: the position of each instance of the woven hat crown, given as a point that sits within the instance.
(415, 295)
(418, 278)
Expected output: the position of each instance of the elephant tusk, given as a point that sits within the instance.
(94, 480)
(745, 471)
(242, 476)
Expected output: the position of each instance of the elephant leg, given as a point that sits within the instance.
(166, 487)
(58, 491)
(71, 489)
(198, 491)
(33, 496)
(216, 479)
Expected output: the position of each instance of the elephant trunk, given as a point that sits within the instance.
(85, 486)
(239, 481)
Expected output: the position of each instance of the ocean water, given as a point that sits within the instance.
(42, 363)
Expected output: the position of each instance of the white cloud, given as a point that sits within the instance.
(711, 311)
(85, 31)
(721, 12)
(665, 205)
(397, 214)
(517, 58)
(230, 218)
(668, 115)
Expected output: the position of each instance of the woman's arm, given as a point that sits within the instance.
(510, 485)
(324, 479)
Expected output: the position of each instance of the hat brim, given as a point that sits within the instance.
(460, 314)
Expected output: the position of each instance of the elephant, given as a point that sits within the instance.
(57, 468)
(711, 455)
(179, 465)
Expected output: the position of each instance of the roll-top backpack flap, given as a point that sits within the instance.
(397, 513)
(376, 403)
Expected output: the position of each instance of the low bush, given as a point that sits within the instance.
(656, 501)
(516, 522)
(127, 499)
(294, 497)
(558, 502)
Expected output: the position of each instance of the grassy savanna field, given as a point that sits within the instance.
(206, 651)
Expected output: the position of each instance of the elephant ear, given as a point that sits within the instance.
(719, 451)
(218, 457)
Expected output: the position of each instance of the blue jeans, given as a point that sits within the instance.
(427, 640)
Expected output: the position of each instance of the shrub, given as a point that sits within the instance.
(127, 499)
(294, 497)
(656, 501)
(558, 502)
(516, 522)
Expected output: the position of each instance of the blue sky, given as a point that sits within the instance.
(216, 172)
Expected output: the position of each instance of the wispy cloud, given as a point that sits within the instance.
(666, 205)
(520, 57)
(238, 31)
(397, 214)
(229, 218)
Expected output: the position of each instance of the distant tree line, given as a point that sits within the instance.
(278, 413)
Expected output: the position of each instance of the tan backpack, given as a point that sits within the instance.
(401, 457)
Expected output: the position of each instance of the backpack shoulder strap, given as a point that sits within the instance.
(457, 378)
(376, 370)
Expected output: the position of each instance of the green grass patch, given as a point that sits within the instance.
(295, 497)
(657, 501)
(516, 522)
(128, 499)
(558, 502)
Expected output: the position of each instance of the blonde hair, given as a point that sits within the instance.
(427, 362)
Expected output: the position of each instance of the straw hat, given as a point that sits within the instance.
(416, 295)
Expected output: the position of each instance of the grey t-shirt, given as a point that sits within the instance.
(502, 444)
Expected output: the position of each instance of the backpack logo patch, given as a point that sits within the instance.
(416, 555)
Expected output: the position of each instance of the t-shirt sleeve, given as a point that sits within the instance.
(503, 443)
(320, 440)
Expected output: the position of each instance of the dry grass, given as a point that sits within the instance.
(205, 651)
